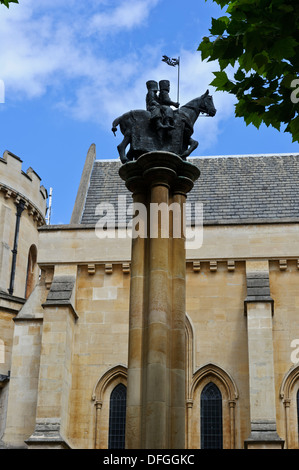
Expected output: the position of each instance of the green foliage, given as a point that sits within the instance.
(260, 40)
(7, 2)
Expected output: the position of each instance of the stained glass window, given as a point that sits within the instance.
(117, 417)
(211, 417)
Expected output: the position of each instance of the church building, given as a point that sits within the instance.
(65, 301)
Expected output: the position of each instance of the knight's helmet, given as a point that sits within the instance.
(152, 85)
(164, 85)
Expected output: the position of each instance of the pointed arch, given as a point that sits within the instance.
(290, 378)
(215, 372)
(212, 373)
(31, 275)
(190, 353)
(101, 396)
(117, 372)
(288, 394)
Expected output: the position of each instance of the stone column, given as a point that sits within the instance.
(55, 374)
(259, 310)
(156, 364)
(138, 298)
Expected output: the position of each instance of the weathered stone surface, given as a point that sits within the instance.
(264, 435)
(62, 292)
(47, 435)
(156, 363)
(258, 288)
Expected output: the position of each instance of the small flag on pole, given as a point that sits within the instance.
(169, 61)
(173, 63)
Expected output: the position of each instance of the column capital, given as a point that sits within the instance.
(189, 403)
(159, 168)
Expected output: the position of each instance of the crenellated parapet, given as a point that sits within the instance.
(17, 184)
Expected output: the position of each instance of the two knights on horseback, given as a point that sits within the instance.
(159, 106)
(150, 130)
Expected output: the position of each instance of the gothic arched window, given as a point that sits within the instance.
(31, 271)
(211, 417)
(117, 417)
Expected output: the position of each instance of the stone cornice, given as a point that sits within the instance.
(29, 206)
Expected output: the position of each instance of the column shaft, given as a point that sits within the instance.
(157, 332)
(156, 365)
(138, 308)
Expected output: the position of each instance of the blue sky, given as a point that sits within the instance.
(70, 67)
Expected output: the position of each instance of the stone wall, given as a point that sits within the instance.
(87, 324)
(16, 186)
(20, 193)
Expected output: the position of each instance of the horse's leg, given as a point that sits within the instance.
(192, 145)
(122, 148)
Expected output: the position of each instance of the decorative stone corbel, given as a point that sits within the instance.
(231, 265)
(213, 266)
(196, 266)
(126, 268)
(108, 268)
(91, 268)
(283, 264)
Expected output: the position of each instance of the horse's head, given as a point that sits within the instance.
(207, 104)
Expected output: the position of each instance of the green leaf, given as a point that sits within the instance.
(222, 3)
(261, 36)
(219, 26)
(246, 61)
(283, 48)
(294, 128)
(220, 81)
(260, 60)
(254, 119)
(7, 2)
(206, 48)
(239, 75)
(265, 101)
(286, 8)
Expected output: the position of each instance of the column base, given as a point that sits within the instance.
(263, 436)
(47, 436)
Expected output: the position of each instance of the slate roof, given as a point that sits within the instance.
(233, 189)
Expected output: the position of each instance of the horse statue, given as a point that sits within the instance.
(139, 132)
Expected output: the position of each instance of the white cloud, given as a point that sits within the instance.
(46, 48)
(127, 15)
(40, 50)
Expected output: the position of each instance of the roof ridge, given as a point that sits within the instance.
(201, 157)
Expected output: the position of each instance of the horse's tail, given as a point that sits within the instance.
(125, 121)
(115, 124)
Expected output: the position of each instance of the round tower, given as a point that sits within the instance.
(23, 205)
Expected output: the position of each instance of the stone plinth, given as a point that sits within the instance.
(259, 310)
(156, 363)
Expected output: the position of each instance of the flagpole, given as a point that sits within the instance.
(174, 62)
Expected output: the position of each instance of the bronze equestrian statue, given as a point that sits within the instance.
(159, 127)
